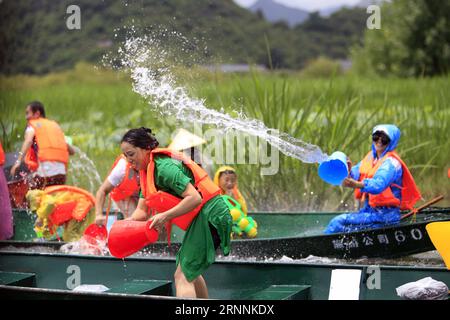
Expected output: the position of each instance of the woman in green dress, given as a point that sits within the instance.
(207, 230)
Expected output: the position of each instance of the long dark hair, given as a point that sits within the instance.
(141, 137)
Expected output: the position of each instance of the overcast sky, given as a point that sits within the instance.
(309, 5)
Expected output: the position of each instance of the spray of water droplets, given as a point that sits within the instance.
(148, 62)
(81, 168)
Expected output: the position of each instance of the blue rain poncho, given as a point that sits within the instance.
(390, 172)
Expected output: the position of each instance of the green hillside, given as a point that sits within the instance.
(34, 38)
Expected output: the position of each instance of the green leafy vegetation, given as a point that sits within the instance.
(414, 40)
(35, 40)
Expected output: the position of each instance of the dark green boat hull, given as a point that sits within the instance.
(270, 224)
(299, 235)
(50, 276)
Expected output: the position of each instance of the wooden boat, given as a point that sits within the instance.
(299, 235)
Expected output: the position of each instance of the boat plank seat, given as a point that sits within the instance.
(151, 287)
(282, 292)
(20, 279)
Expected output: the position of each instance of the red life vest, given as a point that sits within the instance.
(50, 142)
(162, 201)
(2, 155)
(410, 192)
(129, 184)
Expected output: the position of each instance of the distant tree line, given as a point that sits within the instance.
(34, 38)
(414, 39)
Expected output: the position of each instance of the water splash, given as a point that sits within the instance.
(430, 258)
(86, 246)
(126, 275)
(81, 168)
(148, 62)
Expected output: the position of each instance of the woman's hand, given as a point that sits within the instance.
(158, 221)
(140, 213)
(352, 183)
(100, 219)
(191, 200)
(100, 198)
(349, 165)
(14, 168)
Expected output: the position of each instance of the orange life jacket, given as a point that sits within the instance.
(2, 155)
(162, 201)
(129, 184)
(50, 142)
(76, 208)
(410, 192)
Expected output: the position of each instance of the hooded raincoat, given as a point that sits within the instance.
(390, 173)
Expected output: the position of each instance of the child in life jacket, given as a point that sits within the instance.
(226, 179)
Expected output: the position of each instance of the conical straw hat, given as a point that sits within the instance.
(185, 140)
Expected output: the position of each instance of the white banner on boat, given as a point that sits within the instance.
(345, 284)
(91, 288)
